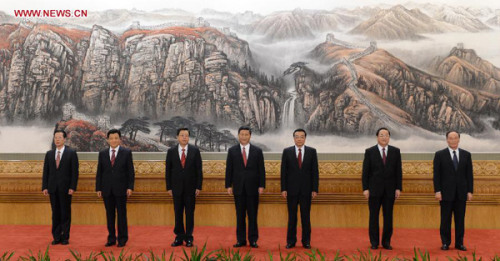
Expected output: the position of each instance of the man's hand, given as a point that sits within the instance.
(99, 194)
(129, 192)
(261, 190)
(398, 193)
(469, 196)
(197, 192)
(45, 192)
(230, 191)
(439, 196)
(366, 193)
(314, 194)
(169, 192)
(70, 192)
(284, 194)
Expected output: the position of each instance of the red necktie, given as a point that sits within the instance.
(383, 155)
(244, 154)
(183, 158)
(113, 157)
(300, 158)
(58, 158)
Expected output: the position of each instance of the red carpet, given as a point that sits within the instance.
(86, 239)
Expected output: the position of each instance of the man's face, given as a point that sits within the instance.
(59, 139)
(183, 137)
(114, 140)
(453, 140)
(299, 138)
(244, 137)
(383, 138)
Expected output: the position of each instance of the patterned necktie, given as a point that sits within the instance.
(455, 160)
(244, 154)
(113, 157)
(299, 158)
(183, 158)
(58, 158)
(384, 157)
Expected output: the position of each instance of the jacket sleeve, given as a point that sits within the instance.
(98, 176)
(283, 171)
(470, 175)
(437, 172)
(315, 172)
(168, 171)
(229, 170)
(399, 174)
(45, 177)
(131, 171)
(366, 171)
(74, 170)
(199, 170)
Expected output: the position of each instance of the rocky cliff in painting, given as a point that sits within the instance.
(156, 73)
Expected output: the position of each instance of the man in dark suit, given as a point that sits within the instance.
(453, 185)
(60, 177)
(246, 177)
(184, 176)
(382, 185)
(299, 185)
(114, 183)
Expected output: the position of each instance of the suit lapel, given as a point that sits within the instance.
(63, 157)
(306, 156)
(378, 155)
(107, 157)
(189, 156)
(449, 159)
(52, 156)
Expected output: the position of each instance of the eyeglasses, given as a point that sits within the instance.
(384, 135)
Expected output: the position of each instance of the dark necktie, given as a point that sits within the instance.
(384, 157)
(244, 154)
(455, 160)
(58, 159)
(113, 157)
(183, 158)
(299, 158)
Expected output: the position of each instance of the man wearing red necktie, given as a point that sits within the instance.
(60, 178)
(115, 183)
(299, 185)
(382, 185)
(184, 177)
(246, 179)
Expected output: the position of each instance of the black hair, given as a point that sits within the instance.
(113, 131)
(383, 128)
(451, 132)
(61, 131)
(182, 129)
(245, 128)
(300, 130)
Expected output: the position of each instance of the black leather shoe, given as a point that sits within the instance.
(121, 244)
(55, 242)
(307, 246)
(64, 242)
(288, 246)
(374, 247)
(189, 243)
(388, 247)
(445, 247)
(176, 243)
(254, 245)
(109, 243)
(239, 244)
(461, 248)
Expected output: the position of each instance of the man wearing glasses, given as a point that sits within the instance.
(382, 185)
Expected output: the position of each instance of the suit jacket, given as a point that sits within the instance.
(66, 176)
(451, 182)
(117, 178)
(378, 177)
(183, 180)
(251, 177)
(299, 181)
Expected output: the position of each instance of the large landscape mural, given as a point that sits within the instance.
(340, 73)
